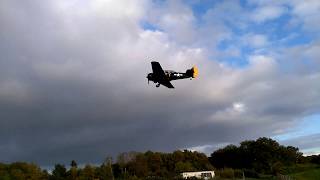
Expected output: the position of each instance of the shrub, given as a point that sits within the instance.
(227, 173)
(251, 173)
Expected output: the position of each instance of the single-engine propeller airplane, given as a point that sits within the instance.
(164, 77)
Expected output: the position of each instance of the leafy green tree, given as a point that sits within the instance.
(73, 172)
(124, 160)
(105, 170)
(4, 174)
(21, 170)
(154, 163)
(178, 156)
(59, 172)
(87, 173)
(139, 166)
(314, 159)
(184, 167)
(226, 157)
(263, 155)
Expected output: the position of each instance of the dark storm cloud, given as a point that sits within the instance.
(73, 86)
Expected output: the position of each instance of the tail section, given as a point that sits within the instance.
(193, 72)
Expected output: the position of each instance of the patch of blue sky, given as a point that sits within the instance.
(277, 32)
(298, 39)
(277, 29)
(281, 32)
(244, 3)
(290, 35)
(200, 7)
(148, 26)
(239, 60)
(235, 62)
(308, 126)
(223, 45)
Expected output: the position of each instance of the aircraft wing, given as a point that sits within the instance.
(166, 83)
(160, 75)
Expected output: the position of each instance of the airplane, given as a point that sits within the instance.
(164, 77)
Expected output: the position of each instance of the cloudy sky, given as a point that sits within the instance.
(73, 76)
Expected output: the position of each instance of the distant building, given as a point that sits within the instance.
(198, 174)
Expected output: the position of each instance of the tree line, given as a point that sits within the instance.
(250, 158)
(263, 156)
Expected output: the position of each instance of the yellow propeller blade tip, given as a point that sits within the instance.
(195, 71)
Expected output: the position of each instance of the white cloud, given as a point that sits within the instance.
(176, 19)
(261, 60)
(255, 40)
(268, 12)
(308, 12)
(239, 107)
(208, 149)
(306, 8)
(261, 67)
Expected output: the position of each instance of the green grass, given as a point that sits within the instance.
(299, 168)
(298, 172)
(261, 178)
(313, 174)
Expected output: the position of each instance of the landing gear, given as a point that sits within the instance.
(157, 85)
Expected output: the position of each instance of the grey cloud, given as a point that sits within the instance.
(304, 142)
(73, 86)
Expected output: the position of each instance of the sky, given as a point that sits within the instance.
(73, 76)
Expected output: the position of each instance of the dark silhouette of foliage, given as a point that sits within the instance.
(314, 159)
(21, 171)
(88, 172)
(73, 164)
(263, 155)
(249, 159)
(59, 172)
(156, 164)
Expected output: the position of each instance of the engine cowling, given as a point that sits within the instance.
(193, 72)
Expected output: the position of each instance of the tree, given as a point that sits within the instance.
(73, 164)
(154, 163)
(73, 172)
(59, 172)
(139, 166)
(88, 172)
(264, 155)
(22, 170)
(314, 159)
(226, 157)
(184, 167)
(123, 159)
(105, 170)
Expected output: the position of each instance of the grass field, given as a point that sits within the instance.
(313, 174)
(299, 172)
